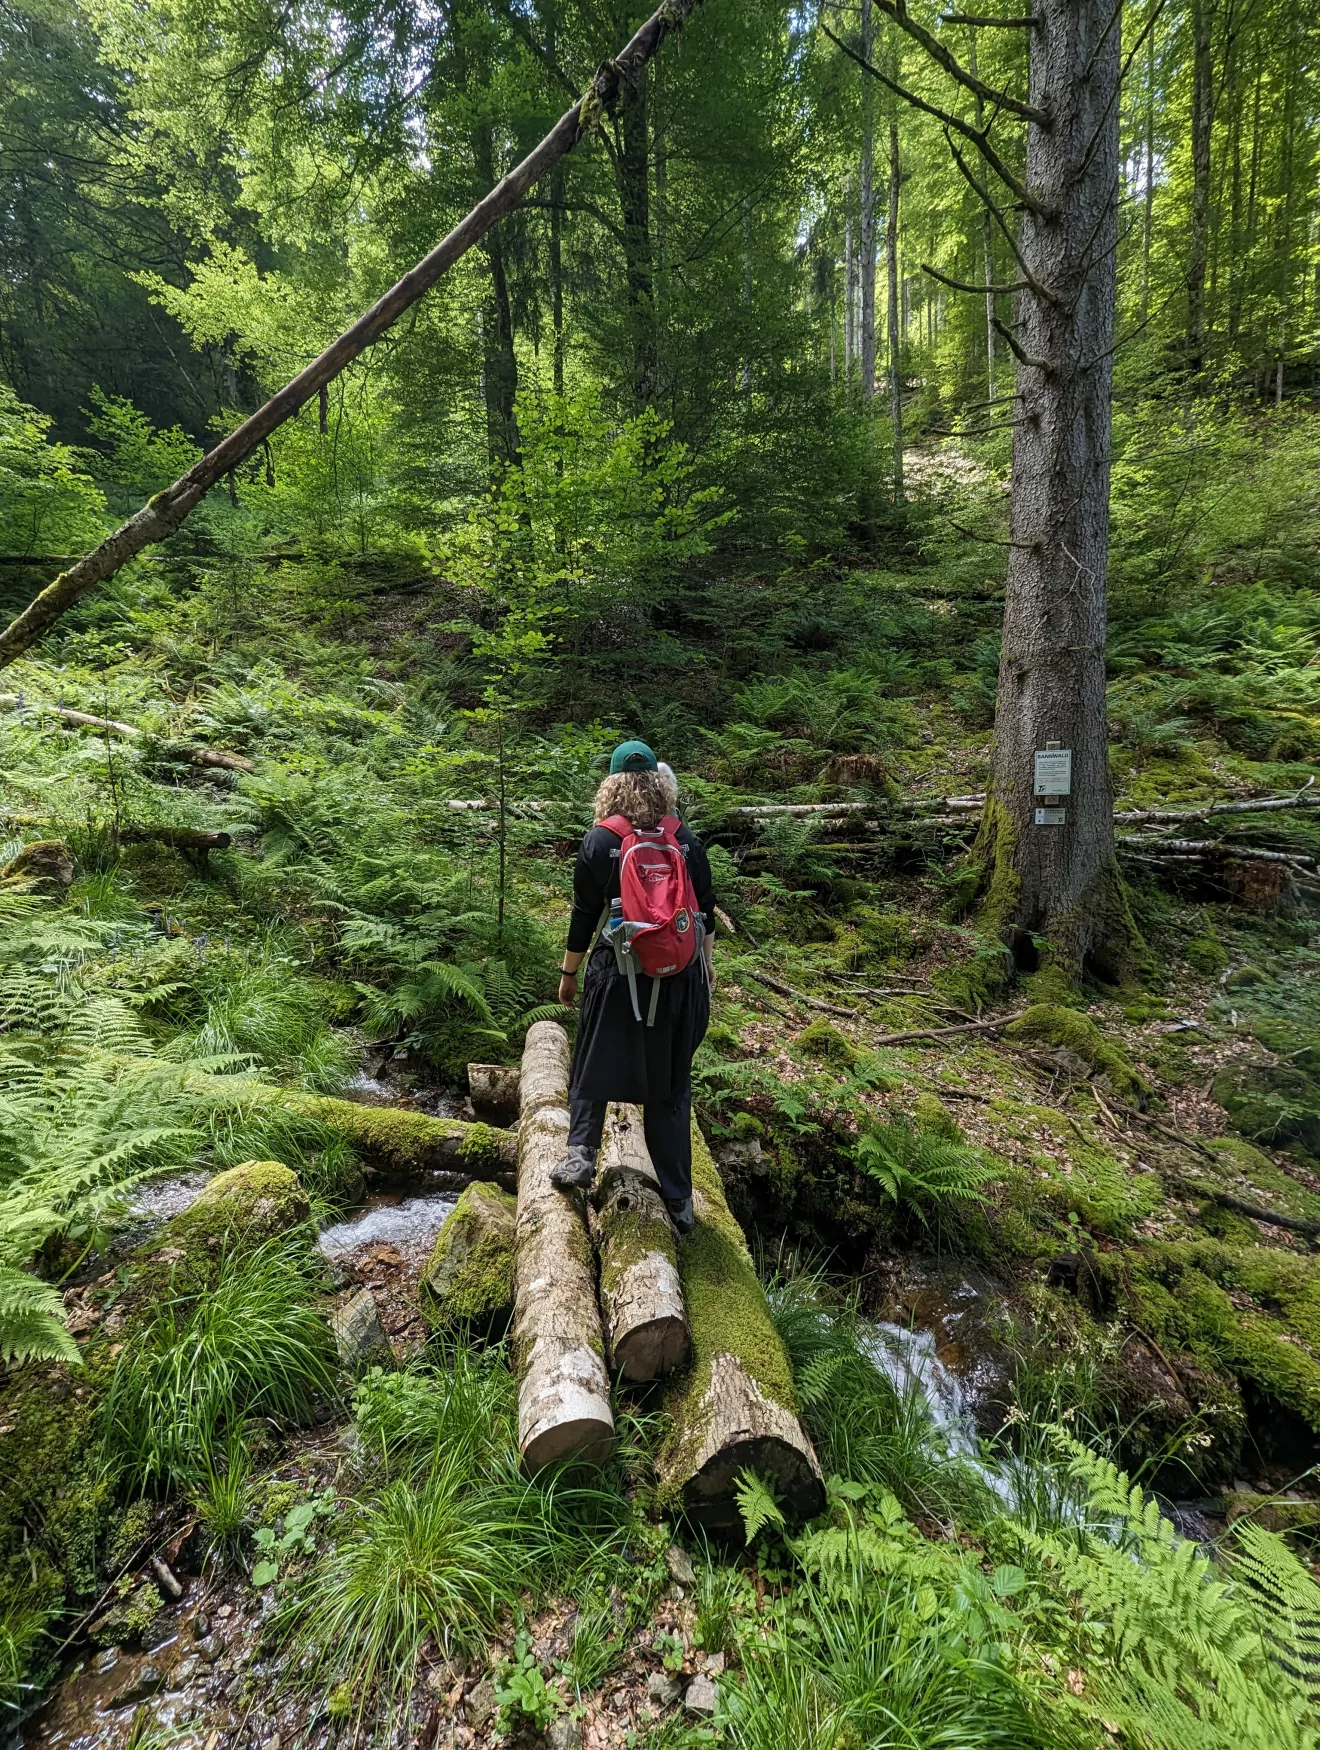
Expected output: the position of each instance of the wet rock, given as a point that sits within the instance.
(468, 1284)
(679, 1563)
(481, 1706)
(251, 1202)
(359, 1335)
(208, 1648)
(702, 1696)
(565, 1733)
(140, 1682)
(105, 1660)
(663, 1689)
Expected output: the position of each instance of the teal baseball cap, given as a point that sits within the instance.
(633, 756)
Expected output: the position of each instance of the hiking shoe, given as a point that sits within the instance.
(576, 1172)
(680, 1214)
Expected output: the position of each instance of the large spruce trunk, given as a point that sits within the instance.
(558, 1346)
(1060, 881)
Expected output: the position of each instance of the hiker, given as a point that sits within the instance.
(642, 894)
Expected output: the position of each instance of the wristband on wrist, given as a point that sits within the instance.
(568, 972)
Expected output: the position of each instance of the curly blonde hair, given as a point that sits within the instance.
(641, 797)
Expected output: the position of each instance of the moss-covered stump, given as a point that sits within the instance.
(47, 865)
(558, 1346)
(468, 1284)
(1068, 1031)
(646, 1329)
(733, 1407)
(247, 1204)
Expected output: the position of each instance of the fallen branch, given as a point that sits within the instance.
(945, 1032)
(183, 838)
(1217, 848)
(71, 719)
(166, 511)
(1304, 798)
(1274, 1217)
(795, 996)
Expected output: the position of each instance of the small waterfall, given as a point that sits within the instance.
(908, 1357)
(408, 1224)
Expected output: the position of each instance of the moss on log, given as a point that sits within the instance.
(641, 1297)
(733, 1407)
(468, 1283)
(559, 1350)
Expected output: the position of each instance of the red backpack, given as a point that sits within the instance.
(658, 926)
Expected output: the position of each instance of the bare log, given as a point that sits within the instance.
(162, 515)
(646, 1329)
(558, 1346)
(494, 1091)
(1195, 848)
(1304, 798)
(71, 719)
(733, 1408)
(946, 1032)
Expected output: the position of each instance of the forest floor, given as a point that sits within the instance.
(1059, 1225)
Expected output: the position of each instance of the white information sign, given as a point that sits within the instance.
(1054, 771)
(1051, 816)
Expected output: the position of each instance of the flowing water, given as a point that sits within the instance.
(390, 1218)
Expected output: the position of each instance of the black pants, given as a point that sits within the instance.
(668, 1127)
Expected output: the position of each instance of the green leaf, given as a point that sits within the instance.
(264, 1573)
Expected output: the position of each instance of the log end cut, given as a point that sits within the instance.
(743, 1429)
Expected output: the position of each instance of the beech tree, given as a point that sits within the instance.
(1050, 864)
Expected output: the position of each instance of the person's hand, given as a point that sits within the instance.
(568, 989)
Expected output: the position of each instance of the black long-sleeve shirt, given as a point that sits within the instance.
(596, 882)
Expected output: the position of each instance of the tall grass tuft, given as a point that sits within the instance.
(253, 1344)
(448, 1535)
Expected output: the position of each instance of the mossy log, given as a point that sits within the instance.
(733, 1408)
(641, 1297)
(558, 1347)
(468, 1283)
(389, 1137)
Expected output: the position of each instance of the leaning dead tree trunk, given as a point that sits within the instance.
(646, 1330)
(733, 1408)
(1055, 870)
(163, 514)
(559, 1350)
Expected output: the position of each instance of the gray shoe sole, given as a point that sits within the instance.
(573, 1176)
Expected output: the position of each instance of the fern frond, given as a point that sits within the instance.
(756, 1504)
(1288, 1599)
(31, 1321)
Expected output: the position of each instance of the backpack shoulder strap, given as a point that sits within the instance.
(669, 825)
(619, 824)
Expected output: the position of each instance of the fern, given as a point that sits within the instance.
(31, 1323)
(756, 1504)
(928, 1174)
(1288, 1600)
(1174, 1653)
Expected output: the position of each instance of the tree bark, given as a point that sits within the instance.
(733, 1407)
(632, 166)
(895, 319)
(163, 514)
(558, 1347)
(1203, 114)
(1061, 880)
(866, 191)
(646, 1329)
